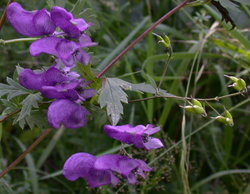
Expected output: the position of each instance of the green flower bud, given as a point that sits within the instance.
(238, 83)
(196, 102)
(227, 119)
(195, 107)
(165, 41)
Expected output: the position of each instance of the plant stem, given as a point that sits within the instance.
(183, 4)
(28, 150)
(188, 98)
(3, 18)
(10, 115)
(17, 40)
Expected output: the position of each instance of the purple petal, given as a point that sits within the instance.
(98, 178)
(31, 80)
(62, 18)
(45, 45)
(150, 129)
(117, 163)
(81, 24)
(131, 178)
(68, 113)
(85, 41)
(138, 135)
(124, 133)
(153, 143)
(87, 93)
(54, 92)
(82, 57)
(78, 165)
(30, 23)
(54, 76)
(66, 48)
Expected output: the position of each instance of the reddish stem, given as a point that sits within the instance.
(28, 150)
(3, 18)
(142, 36)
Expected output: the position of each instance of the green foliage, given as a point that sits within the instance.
(112, 95)
(218, 154)
(12, 90)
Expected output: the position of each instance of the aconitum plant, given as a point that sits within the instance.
(61, 83)
(66, 88)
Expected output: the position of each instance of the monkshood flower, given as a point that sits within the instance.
(68, 113)
(139, 136)
(66, 50)
(67, 88)
(66, 22)
(42, 22)
(30, 23)
(98, 171)
(55, 83)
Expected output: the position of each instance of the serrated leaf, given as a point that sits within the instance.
(12, 90)
(112, 95)
(30, 101)
(5, 187)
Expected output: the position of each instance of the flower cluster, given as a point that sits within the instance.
(98, 171)
(58, 82)
(61, 83)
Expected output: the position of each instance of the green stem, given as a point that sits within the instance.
(188, 98)
(17, 40)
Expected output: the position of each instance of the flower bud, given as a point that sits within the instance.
(196, 102)
(238, 83)
(227, 119)
(195, 107)
(165, 41)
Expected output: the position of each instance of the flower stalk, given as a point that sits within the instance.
(27, 151)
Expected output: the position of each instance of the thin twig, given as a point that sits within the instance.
(183, 4)
(10, 115)
(188, 98)
(27, 151)
(3, 18)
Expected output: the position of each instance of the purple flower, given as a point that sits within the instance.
(139, 135)
(127, 167)
(66, 50)
(66, 21)
(57, 84)
(81, 165)
(30, 23)
(68, 113)
(98, 171)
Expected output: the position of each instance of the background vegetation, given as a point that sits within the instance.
(217, 155)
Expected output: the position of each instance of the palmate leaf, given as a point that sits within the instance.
(12, 89)
(30, 101)
(112, 95)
